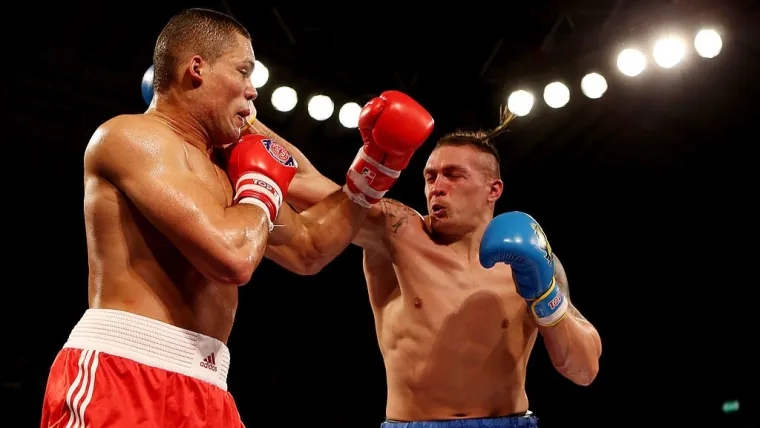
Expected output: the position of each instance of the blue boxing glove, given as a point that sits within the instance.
(146, 87)
(516, 239)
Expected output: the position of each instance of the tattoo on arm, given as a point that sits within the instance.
(396, 214)
(561, 277)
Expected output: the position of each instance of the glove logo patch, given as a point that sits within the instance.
(368, 175)
(279, 153)
(543, 243)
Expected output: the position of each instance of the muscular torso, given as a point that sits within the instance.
(455, 337)
(133, 267)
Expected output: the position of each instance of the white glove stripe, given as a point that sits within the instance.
(361, 182)
(260, 189)
(262, 177)
(382, 168)
(555, 317)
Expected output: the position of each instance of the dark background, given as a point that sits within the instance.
(643, 193)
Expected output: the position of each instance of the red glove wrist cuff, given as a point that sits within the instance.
(260, 190)
(367, 181)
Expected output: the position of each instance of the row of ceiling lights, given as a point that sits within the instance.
(667, 52)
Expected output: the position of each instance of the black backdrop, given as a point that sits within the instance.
(645, 194)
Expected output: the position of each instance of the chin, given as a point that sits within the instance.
(444, 225)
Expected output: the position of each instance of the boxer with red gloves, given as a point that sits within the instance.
(169, 237)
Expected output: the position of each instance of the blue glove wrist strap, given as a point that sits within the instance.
(551, 307)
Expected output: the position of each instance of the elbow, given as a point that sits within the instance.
(234, 269)
(241, 273)
(310, 265)
(311, 258)
(587, 377)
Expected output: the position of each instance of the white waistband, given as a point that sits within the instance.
(153, 343)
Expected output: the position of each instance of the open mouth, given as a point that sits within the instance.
(438, 210)
(243, 115)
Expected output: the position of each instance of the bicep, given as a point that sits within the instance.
(157, 181)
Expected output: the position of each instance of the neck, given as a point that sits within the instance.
(177, 114)
(466, 244)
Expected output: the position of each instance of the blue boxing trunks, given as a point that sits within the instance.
(523, 420)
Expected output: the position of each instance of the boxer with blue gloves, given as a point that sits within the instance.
(515, 238)
(459, 296)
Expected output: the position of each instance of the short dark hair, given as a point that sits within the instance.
(484, 141)
(201, 31)
(480, 140)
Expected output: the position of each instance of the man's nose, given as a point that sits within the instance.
(439, 187)
(251, 93)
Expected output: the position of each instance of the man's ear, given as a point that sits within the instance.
(496, 188)
(195, 69)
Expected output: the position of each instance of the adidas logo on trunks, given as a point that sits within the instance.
(209, 362)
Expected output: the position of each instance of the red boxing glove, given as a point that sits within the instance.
(392, 126)
(261, 171)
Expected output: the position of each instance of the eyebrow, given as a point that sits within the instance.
(455, 168)
(249, 63)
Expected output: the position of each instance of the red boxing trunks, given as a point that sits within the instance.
(123, 370)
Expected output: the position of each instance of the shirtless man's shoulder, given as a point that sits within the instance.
(398, 217)
(125, 136)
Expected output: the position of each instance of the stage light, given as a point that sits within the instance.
(284, 98)
(349, 115)
(260, 75)
(730, 406)
(320, 107)
(631, 62)
(708, 43)
(520, 102)
(668, 52)
(593, 85)
(556, 95)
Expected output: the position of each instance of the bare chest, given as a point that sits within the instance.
(438, 289)
(211, 174)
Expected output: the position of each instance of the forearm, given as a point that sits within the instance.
(574, 347)
(330, 226)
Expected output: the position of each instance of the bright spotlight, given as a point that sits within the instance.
(284, 98)
(260, 75)
(556, 94)
(668, 52)
(520, 102)
(320, 107)
(593, 85)
(631, 62)
(708, 43)
(349, 115)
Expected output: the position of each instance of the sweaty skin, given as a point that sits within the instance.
(455, 337)
(136, 267)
